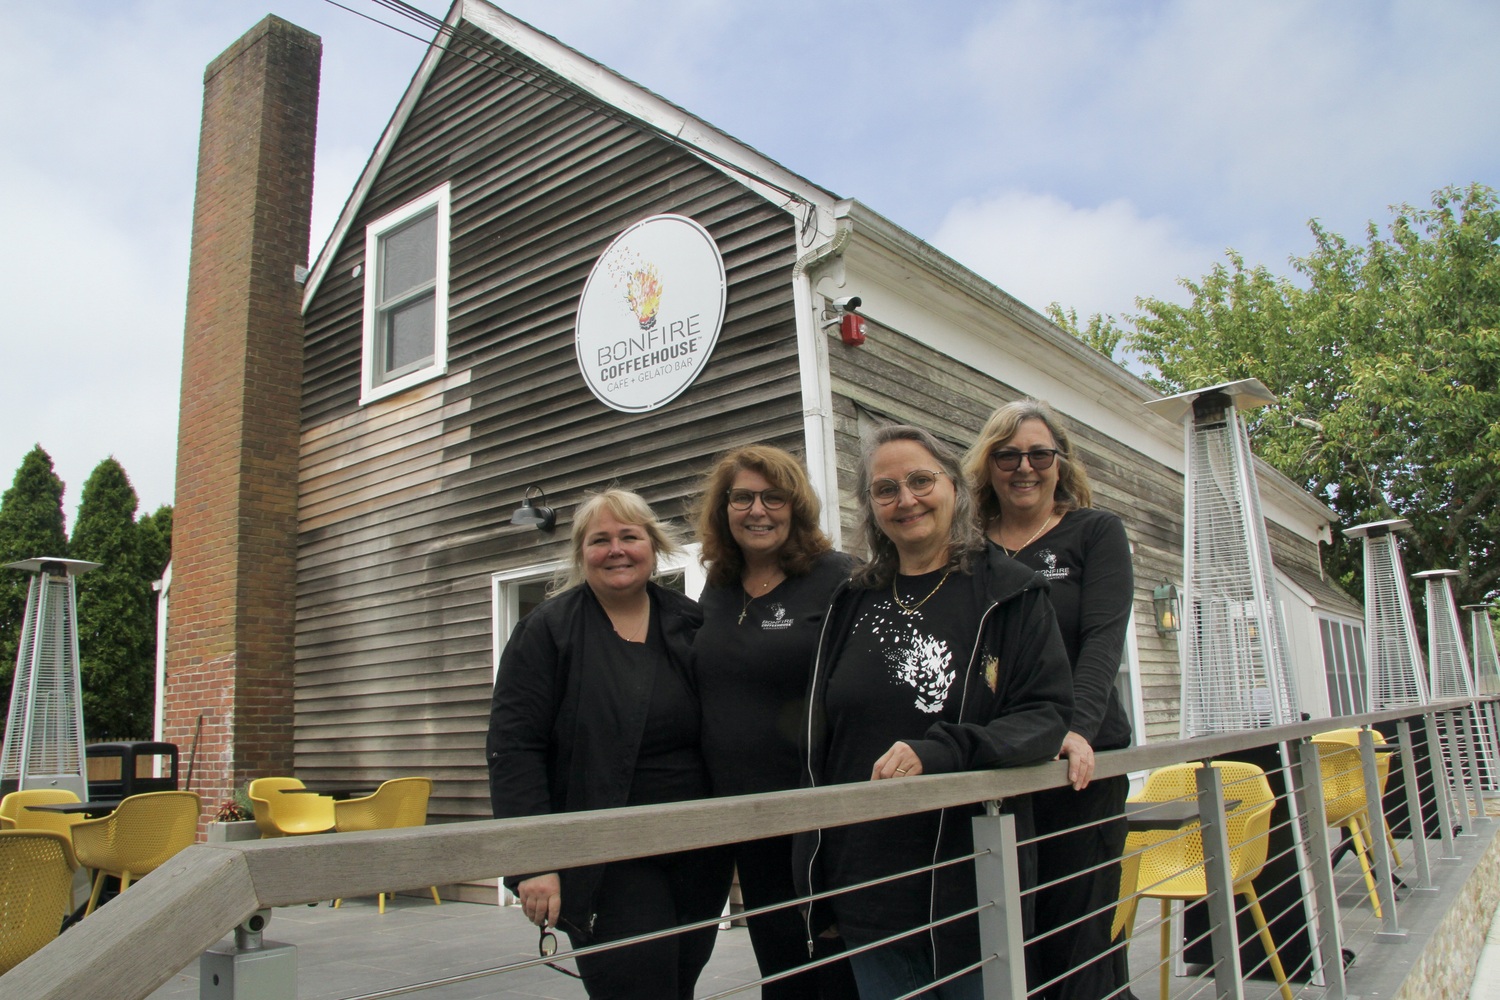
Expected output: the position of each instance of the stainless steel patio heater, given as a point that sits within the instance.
(43, 745)
(1235, 675)
(1482, 645)
(1448, 669)
(1396, 674)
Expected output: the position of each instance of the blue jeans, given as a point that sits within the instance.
(896, 969)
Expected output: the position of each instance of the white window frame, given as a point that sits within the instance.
(505, 602)
(371, 386)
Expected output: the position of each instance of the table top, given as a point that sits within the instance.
(93, 807)
(1171, 815)
(338, 794)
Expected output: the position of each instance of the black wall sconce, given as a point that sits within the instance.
(1168, 607)
(540, 516)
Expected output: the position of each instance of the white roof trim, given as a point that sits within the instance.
(593, 78)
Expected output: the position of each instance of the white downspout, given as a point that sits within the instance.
(817, 389)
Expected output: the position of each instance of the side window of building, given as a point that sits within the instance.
(406, 296)
(1344, 665)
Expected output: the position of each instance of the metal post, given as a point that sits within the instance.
(998, 879)
(1492, 746)
(250, 969)
(1380, 850)
(1454, 769)
(1476, 775)
(1414, 816)
(1224, 935)
(1439, 787)
(1325, 894)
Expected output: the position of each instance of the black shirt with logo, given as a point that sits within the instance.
(1086, 562)
(752, 676)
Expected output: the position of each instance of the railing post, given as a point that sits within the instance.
(1415, 818)
(1380, 848)
(997, 878)
(1440, 786)
(1325, 893)
(1463, 826)
(251, 968)
(1476, 775)
(1224, 935)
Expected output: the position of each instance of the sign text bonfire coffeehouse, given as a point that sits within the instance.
(650, 314)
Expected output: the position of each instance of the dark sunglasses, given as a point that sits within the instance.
(1009, 459)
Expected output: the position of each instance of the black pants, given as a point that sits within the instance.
(1082, 946)
(650, 894)
(780, 938)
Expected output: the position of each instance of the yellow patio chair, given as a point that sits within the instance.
(396, 803)
(36, 891)
(137, 838)
(1171, 861)
(282, 815)
(1345, 803)
(16, 812)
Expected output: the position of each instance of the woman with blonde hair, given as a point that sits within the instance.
(1032, 495)
(594, 708)
(771, 571)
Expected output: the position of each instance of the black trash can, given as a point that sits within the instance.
(119, 770)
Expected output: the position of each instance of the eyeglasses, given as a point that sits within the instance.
(546, 947)
(918, 482)
(769, 499)
(1009, 460)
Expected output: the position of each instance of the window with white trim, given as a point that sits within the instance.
(1344, 665)
(406, 296)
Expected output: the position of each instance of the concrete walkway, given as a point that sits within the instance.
(1487, 976)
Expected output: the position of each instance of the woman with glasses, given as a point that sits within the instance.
(770, 573)
(1033, 498)
(594, 708)
(938, 656)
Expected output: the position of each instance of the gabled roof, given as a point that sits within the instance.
(476, 20)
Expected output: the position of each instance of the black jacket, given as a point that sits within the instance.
(1022, 720)
(566, 721)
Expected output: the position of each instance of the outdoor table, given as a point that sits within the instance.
(1172, 815)
(91, 808)
(337, 794)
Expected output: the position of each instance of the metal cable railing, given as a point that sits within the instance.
(162, 923)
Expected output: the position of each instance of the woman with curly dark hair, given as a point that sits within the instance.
(770, 573)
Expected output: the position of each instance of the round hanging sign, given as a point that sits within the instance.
(650, 314)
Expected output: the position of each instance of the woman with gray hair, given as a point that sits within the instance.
(938, 656)
(594, 708)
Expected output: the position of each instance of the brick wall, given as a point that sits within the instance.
(230, 625)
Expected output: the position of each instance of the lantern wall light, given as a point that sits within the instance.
(1168, 608)
(540, 516)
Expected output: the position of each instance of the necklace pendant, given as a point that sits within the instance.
(743, 611)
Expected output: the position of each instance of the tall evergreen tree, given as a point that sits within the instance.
(116, 633)
(31, 524)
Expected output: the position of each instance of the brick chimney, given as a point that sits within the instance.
(233, 600)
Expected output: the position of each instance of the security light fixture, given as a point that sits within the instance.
(540, 516)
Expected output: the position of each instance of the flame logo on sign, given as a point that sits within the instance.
(642, 290)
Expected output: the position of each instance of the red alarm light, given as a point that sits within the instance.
(852, 329)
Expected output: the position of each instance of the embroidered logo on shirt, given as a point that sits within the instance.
(1051, 570)
(778, 619)
(992, 672)
(926, 664)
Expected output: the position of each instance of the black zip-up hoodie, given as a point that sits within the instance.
(1022, 720)
(566, 722)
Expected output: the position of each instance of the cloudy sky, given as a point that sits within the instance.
(1070, 150)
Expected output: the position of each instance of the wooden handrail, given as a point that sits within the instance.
(142, 937)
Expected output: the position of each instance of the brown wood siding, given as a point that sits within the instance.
(405, 503)
(953, 400)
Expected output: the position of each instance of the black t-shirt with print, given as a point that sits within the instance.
(752, 676)
(891, 682)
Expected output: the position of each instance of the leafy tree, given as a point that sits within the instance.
(156, 542)
(1386, 359)
(116, 629)
(1102, 333)
(31, 524)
